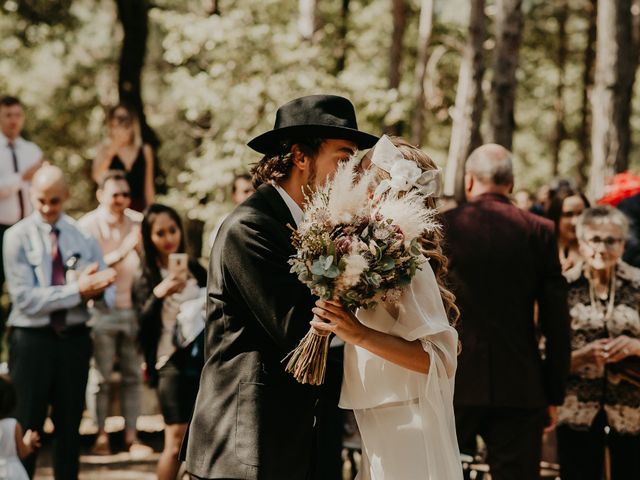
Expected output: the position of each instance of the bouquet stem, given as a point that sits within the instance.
(308, 361)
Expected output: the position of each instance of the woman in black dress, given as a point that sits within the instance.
(158, 295)
(124, 150)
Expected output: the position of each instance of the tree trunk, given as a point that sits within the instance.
(587, 85)
(559, 133)
(133, 15)
(611, 99)
(467, 113)
(341, 54)
(214, 7)
(399, 15)
(509, 23)
(424, 36)
(307, 18)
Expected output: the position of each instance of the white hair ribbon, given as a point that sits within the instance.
(405, 174)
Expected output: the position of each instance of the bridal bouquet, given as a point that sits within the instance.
(357, 248)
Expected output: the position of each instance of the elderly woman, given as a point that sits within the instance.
(604, 297)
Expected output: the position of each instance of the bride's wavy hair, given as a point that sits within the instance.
(276, 166)
(431, 241)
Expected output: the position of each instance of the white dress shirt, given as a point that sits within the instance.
(27, 154)
(294, 208)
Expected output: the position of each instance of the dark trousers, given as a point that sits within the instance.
(330, 420)
(3, 314)
(51, 370)
(513, 437)
(581, 453)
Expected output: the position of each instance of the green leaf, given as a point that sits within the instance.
(387, 264)
(328, 262)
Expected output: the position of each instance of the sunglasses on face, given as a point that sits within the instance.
(608, 242)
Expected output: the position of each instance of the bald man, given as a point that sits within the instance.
(53, 270)
(503, 261)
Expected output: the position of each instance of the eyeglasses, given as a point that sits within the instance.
(608, 242)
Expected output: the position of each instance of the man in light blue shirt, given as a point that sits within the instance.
(53, 270)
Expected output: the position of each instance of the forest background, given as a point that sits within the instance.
(552, 79)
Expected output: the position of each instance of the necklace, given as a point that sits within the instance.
(597, 302)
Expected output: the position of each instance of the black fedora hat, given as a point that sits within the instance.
(324, 116)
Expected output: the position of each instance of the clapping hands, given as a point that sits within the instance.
(91, 282)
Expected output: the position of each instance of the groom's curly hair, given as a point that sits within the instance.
(276, 165)
(432, 240)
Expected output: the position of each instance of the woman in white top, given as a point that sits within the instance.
(14, 445)
(400, 360)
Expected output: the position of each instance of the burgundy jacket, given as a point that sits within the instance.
(502, 261)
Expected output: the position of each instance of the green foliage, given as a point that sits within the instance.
(212, 82)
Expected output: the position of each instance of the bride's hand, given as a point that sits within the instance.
(332, 317)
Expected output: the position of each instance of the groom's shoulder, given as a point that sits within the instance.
(254, 214)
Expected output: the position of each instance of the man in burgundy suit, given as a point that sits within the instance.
(504, 261)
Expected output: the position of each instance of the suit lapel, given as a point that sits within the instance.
(277, 204)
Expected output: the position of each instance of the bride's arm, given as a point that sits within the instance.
(408, 354)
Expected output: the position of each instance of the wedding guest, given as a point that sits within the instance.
(505, 392)
(19, 159)
(241, 189)
(158, 295)
(14, 443)
(631, 208)
(523, 199)
(53, 270)
(603, 392)
(564, 209)
(124, 150)
(115, 331)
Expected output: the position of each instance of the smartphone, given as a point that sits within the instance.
(179, 265)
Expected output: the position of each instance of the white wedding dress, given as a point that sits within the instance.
(406, 418)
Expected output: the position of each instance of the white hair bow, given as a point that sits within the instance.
(405, 174)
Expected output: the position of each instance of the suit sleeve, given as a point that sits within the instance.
(553, 317)
(256, 269)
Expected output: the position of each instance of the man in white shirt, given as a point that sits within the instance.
(115, 331)
(19, 159)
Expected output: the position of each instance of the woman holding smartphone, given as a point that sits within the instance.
(168, 279)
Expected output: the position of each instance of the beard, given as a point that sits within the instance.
(310, 186)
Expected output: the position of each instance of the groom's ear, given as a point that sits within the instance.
(300, 160)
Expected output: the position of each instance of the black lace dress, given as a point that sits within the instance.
(590, 388)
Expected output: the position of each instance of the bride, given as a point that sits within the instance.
(400, 360)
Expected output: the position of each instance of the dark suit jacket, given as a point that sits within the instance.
(631, 208)
(252, 420)
(503, 260)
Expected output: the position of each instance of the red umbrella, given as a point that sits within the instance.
(620, 186)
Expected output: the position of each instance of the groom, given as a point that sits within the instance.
(252, 420)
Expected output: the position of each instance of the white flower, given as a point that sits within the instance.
(404, 174)
(355, 265)
(409, 213)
